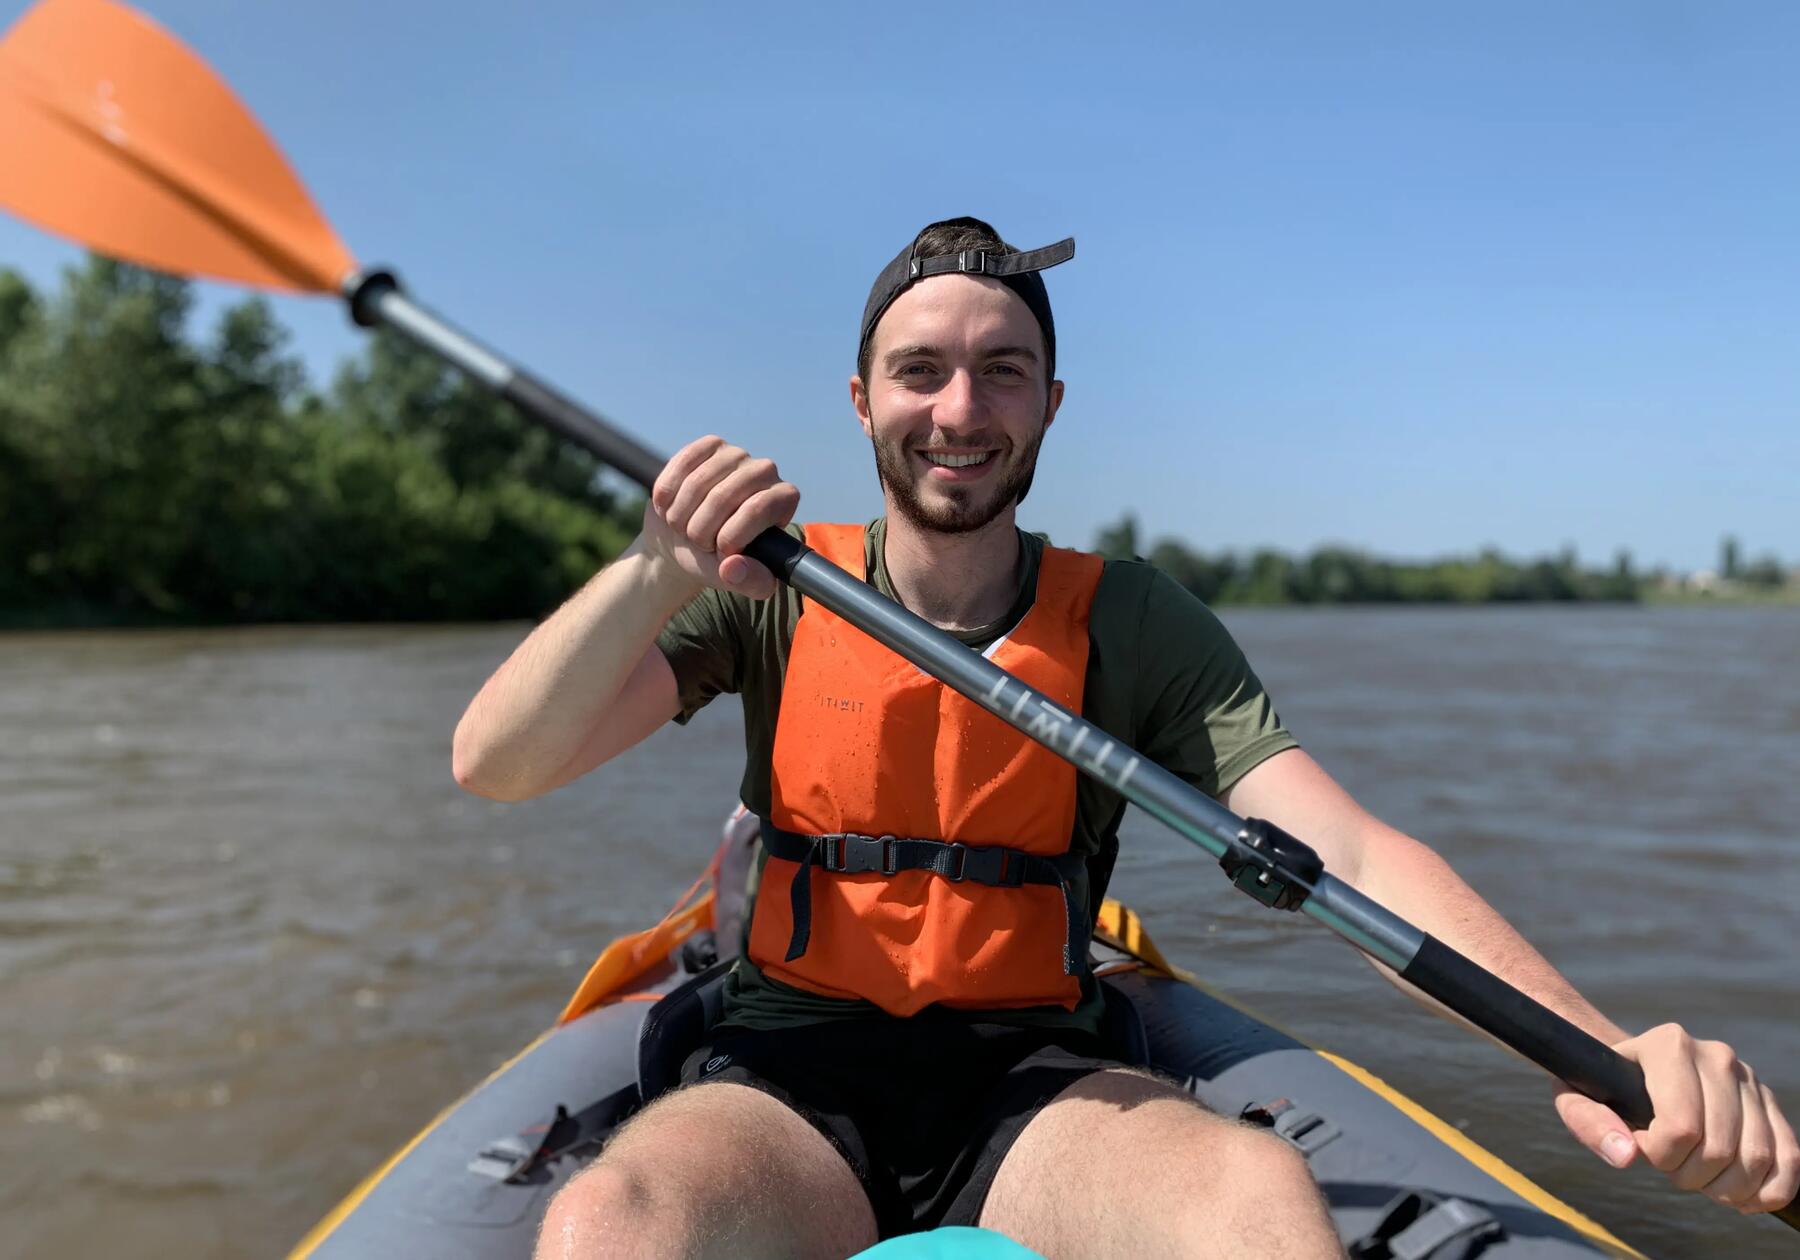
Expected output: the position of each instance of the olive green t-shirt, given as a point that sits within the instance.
(1163, 677)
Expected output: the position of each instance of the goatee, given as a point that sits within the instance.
(958, 509)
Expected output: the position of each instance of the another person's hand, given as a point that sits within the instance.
(709, 501)
(1717, 1129)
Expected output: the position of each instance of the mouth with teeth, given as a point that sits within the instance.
(956, 465)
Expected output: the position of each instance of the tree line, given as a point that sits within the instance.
(1343, 575)
(148, 477)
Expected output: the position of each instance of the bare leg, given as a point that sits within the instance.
(715, 1170)
(1121, 1164)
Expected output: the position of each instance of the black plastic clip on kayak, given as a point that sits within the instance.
(515, 1158)
(1275, 868)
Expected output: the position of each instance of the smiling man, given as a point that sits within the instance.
(912, 1036)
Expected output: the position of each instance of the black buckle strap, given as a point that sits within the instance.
(851, 854)
(1422, 1225)
(981, 263)
(848, 853)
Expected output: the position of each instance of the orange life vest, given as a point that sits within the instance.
(919, 846)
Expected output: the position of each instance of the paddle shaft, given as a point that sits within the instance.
(1485, 1000)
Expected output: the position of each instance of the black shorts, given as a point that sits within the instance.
(923, 1110)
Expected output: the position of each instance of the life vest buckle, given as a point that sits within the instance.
(851, 854)
(984, 865)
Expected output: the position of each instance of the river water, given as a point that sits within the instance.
(252, 936)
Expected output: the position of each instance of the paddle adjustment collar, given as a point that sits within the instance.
(1275, 868)
(363, 291)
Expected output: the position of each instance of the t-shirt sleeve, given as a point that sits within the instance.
(1199, 710)
(704, 644)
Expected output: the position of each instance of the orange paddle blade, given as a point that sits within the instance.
(114, 134)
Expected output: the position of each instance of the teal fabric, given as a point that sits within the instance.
(953, 1242)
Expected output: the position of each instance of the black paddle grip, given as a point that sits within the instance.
(777, 551)
(1535, 1031)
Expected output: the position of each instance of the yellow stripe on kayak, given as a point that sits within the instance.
(1486, 1160)
(323, 1230)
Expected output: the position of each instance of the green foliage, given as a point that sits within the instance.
(146, 478)
(1766, 574)
(1339, 575)
(1119, 542)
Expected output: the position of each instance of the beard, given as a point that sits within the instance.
(959, 509)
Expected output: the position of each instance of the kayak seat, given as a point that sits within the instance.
(675, 1026)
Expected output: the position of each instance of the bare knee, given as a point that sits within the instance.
(1259, 1156)
(1254, 1183)
(1160, 1176)
(709, 1171)
(605, 1211)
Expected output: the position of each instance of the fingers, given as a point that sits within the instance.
(1717, 1129)
(711, 499)
(698, 484)
(1767, 1173)
(1742, 1178)
(747, 577)
(680, 464)
(769, 508)
(1597, 1127)
(747, 479)
(1673, 1082)
(1721, 1119)
(1782, 1186)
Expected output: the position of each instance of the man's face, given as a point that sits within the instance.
(956, 401)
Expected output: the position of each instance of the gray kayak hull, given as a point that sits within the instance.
(1363, 1147)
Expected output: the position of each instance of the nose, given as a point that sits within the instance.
(958, 404)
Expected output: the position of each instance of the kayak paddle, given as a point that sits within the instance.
(114, 134)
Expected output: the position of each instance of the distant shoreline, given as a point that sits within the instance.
(19, 622)
(1780, 597)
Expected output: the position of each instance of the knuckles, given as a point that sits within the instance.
(1716, 1056)
(1671, 1037)
(1716, 1155)
(1671, 1141)
(715, 494)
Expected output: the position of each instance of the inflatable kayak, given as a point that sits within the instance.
(474, 1184)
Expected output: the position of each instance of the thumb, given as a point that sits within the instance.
(1597, 1127)
(746, 577)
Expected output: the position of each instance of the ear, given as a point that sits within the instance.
(1054, 404)
(859, 399)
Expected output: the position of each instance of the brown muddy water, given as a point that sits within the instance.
(252, 937)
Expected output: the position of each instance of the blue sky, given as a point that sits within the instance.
(1415, 277)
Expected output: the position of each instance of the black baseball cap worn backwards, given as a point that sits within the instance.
(1016, 270)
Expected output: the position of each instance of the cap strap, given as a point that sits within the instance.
(981, 263)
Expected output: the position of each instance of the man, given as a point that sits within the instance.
(911, 1040)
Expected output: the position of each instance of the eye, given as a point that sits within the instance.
(915, 369)
(1004, 369)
